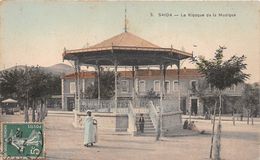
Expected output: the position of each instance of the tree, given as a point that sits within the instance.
(151, 94)
(28, 85)
(8, 82)
(206, 94)
(107, 86)
(221, 74)
(250, 100)
(232, 101)
(42, 86)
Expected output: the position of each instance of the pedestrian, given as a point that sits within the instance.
(193, 127)
(141, 123)
(185, 125)
(90, 130)
(206, 116)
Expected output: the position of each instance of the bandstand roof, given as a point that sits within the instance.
(128, 50)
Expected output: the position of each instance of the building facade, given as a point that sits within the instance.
(148, 80)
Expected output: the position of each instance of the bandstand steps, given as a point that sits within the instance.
(149, 129)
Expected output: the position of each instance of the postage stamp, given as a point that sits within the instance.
(23, 141)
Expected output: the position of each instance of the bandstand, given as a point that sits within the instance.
(128, 50)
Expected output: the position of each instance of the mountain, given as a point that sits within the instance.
(57, 69)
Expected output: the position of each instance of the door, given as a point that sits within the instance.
(71, 103)
(183, 105)
(194, 106)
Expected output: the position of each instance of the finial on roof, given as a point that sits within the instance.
(125, 20)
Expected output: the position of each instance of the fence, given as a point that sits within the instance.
(104, 105)
(141, 105)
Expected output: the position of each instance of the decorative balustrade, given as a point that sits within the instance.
(104, 105)
(144, 102)
(153, 113)
(141, 105)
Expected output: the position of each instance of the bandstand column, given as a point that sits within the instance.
(161, 96)
(133, 89)
(77, 85)
(179, 91)
(115, 72)
(164, 78)
(98, 79)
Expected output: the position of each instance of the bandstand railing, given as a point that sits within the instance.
(144, 102)
(154, 114)
(142, 105)
(104, 105)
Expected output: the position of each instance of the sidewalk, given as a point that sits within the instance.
(63, 142)
(66, 143)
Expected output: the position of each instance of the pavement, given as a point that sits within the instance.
(63, 142)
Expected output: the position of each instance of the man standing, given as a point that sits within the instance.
(90, 130)
(141, 123)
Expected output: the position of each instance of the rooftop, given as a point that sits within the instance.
(128, 50)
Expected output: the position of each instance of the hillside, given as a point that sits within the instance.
(57, 69)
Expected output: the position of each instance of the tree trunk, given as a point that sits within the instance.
(233, 118)
(33, 111)
(158, 128)
(247, 116)
(41, 111)
(45, 108)
(38, 112)
(213, 130)
(217, 145)
(217, 142)
(26, 115)
(252, 120)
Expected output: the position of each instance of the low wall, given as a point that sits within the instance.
(171, 122)
(106, 121)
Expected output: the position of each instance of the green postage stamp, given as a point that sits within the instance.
(23, 141)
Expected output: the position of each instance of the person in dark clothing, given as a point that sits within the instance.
(185, 125)
(141, 123)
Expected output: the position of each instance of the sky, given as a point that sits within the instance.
(36, 32)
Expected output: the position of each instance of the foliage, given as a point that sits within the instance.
(30, 81)
(9, 81)
(151, 94)
(107, 86)
(250, 97)
(206, 93)
(232, 104)
(222, 74)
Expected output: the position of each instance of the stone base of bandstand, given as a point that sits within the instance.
(171, 123)
(113, 122)
(119, 123)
